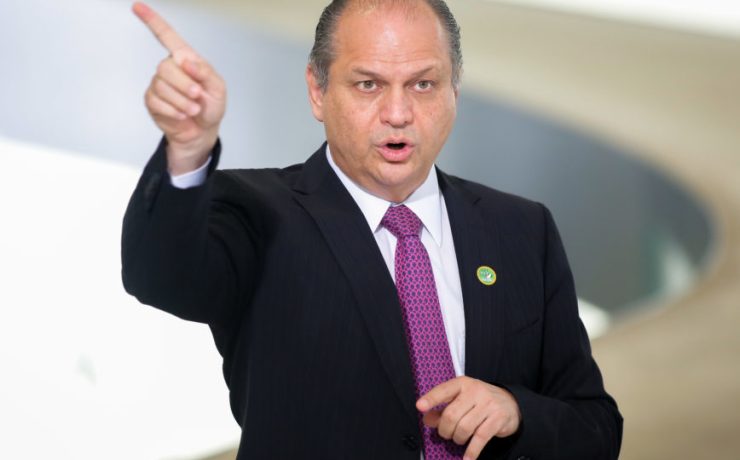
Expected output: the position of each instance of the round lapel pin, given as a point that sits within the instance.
(486, 275)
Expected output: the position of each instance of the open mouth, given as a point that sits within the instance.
(396, 152)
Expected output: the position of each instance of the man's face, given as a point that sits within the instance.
(390, 104)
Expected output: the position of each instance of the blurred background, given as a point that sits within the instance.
(620, 115)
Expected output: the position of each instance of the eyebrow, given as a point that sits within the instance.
(377, 76)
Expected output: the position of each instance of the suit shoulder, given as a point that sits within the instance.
(520, 222)
(497, 201)
(269, 181)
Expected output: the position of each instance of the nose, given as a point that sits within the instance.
(396, 110)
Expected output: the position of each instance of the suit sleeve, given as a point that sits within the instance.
(183, 251)
(569, 415)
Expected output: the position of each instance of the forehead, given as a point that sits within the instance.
(390, 32)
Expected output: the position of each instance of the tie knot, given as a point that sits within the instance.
(401, 221)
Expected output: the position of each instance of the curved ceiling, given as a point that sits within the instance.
(716, 17)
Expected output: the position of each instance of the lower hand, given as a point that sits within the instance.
(476, 412)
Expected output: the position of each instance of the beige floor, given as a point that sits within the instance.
(674, 100)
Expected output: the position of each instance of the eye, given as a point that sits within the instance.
(366, 85)
(423, 85)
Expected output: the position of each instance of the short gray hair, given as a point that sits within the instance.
(322, 53)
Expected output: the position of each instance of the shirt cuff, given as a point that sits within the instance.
(192, 178)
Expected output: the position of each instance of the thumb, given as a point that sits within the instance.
(193, 69)
(203, 73)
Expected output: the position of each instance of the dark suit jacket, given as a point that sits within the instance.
(281, 264)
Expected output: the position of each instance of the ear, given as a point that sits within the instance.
(315, 94)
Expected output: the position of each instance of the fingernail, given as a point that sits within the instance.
(194, 109)
(423, 404)
(194, 90)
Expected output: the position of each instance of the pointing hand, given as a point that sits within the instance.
(186, 98)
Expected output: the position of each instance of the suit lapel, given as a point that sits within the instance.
(322, 195)
(476, 244)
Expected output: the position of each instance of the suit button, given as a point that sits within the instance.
(411, 442)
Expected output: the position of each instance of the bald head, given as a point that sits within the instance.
(324, 47)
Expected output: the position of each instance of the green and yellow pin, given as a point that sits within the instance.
(486, 275)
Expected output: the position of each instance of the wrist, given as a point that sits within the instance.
(184, 158)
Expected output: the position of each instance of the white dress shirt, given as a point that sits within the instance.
(193, 178)
(436, 235)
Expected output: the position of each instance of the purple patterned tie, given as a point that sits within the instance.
(425, 330)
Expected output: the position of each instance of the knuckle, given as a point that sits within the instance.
(449, 417)
(157, 107)
(483, 435)
(452, 411)
(211, 74)
(481, 438)
(158, 86)
(162, 67)
(445, 430)
(490, 428)
(149, 99)
(152, 87)
(466, 428)
(481, 390)
(182, 53)
(461, 436)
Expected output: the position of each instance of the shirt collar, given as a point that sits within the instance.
(425, 202)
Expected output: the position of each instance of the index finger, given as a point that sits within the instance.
(445, 392)
(159, 27)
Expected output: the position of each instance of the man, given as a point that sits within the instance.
(354, 298)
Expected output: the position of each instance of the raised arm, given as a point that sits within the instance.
(189, 252)
(186, 98)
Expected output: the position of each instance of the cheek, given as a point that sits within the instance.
(443, 114)
(350, 131)
(434, 120)
(356, 126)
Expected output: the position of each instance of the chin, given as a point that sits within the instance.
(394, 175)
(398, 182)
